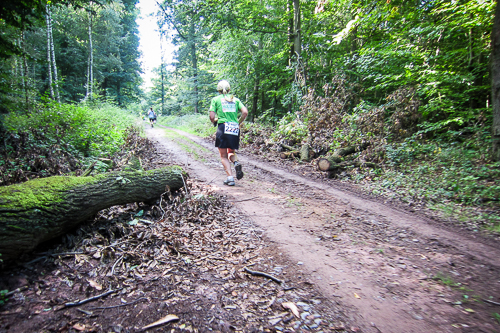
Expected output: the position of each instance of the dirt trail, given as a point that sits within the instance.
(390, 270)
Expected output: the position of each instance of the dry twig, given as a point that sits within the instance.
(91, 298)
(491, 302)
(257, 273)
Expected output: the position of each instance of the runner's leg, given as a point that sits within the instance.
(225, 161)
(237, 165)
(232, 155)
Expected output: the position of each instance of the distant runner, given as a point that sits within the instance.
(151, 116)
(227, 139)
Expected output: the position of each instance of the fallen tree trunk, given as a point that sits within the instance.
(350, 150)
(289, 154)
(287, 147)
(326, 165)
(41, 209)
(331, 162)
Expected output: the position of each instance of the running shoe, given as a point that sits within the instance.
(239, 172)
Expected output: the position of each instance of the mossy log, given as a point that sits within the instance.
(41, 209)
(332, 162)
(287, 147)
(325, 165)
(306, 152)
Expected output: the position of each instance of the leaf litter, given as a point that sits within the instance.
(190, 256)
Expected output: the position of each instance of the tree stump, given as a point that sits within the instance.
(45, 208)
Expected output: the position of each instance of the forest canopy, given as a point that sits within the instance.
(69, 50)
(433, 54)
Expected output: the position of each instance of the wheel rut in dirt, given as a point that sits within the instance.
(391, 270)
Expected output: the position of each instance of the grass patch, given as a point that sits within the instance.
(188, 145)
(196, 124)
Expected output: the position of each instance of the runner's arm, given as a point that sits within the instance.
(212, 116)
(244, 114)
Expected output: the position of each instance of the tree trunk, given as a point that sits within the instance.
(25, 73)
(47, 20)
(52, 50)
(495, 84)
(90, 65)
(195, 65)
(162, 75)
(297, 40)
(325, 164)
(331, 162)
(41, 209)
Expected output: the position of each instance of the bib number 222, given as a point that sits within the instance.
(231, 128)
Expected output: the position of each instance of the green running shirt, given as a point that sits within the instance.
(226, 111)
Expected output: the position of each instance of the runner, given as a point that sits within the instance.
(227, 139)
(151, 116)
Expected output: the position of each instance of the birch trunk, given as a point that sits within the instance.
(90, 65)
(162, 76)
(49, 62)
(53, 57)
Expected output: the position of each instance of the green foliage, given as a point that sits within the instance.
(3, 297)
(60, 138)
(91, 132)
(115, 53)
(195, 124)
(290, 128)
(451, 177)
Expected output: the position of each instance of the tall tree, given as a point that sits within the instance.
(49, 55)
(52, 65)
(495, 84)
(191, 37)
(90, 63)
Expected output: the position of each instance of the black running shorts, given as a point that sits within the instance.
(226, 140)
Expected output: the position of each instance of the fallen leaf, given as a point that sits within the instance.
(292, 307)
(95, 285)
(79, 327)
(469, 310)
(356, 295)
(164, 320)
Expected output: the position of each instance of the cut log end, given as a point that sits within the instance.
(324, 164)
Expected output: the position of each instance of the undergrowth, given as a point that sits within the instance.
(59, 138)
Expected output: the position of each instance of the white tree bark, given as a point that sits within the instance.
(49, 61)
(54, 65)
(90, 65)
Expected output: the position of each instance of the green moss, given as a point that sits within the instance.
(38, 193)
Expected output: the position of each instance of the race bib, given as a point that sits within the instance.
(231, 128)
(228, 106)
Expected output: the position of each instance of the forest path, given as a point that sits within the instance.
(389, 270)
